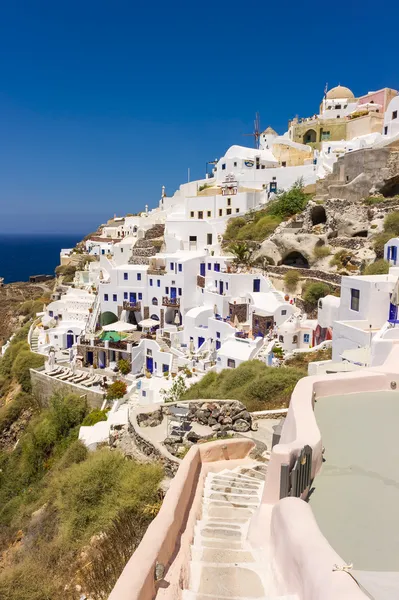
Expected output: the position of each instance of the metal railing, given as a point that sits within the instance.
(171, 302)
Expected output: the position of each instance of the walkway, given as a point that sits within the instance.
(224, 565)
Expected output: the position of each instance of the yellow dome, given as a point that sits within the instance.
(339, 92)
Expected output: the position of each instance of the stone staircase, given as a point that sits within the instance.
(34, 341)
(224, 565)
(164, 346)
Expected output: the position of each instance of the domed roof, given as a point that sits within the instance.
(269, 131)
(339, 92)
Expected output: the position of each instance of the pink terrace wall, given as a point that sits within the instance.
(305, 559)
(159, 544)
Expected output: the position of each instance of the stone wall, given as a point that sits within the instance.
(261, 323)
(316, 274)
(44, 386)
(200, 281)
(238, 310)
(155, 232)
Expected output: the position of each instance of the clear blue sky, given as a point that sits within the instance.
(101, 103)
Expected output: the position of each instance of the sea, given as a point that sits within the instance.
(25, 255)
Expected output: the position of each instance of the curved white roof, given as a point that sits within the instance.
(251, 153)
(236, 350)
(266, 302)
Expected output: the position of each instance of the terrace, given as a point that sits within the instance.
(171, 302)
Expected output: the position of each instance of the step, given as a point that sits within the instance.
(201, 543)
(221, 555)
(231, 490)
(226, 581)
(220, 533)
(233, 482)
(219, 511)
(233, 498)
(190, 595)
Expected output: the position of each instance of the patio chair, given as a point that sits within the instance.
(56, 371)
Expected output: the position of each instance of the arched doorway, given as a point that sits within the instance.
(318, 215)
(70, 338)
(295, 259)
(310, 136)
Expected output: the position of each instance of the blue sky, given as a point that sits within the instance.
(102, 103)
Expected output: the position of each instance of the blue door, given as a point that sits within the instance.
(394, 254)
(173, 292)
(256, 285)
(132, 297)
(201, 340)
(393, 312)
(218, 344)
(69, 340)
(150, 364)
(221, 288)
(90, 358)
(202, 269)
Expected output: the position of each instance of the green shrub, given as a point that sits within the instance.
(116, 390)
(124, 366)
(321, 251)
(95, 416)
(291, 279)
(379, 242)
(302, 359)
(289, 203)
(20, 369)
(370, 200)
(391, 223)
(313, 292)
(379, 267)
(10, 355)
(11, 411)
(341, 259)
(257, 386)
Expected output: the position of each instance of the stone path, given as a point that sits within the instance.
(224, 565)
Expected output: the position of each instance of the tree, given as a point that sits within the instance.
(291, 279)
(315, 291)
(20, 369)
(242, 252)
(177, 390)
(124, 366)
(391, 223)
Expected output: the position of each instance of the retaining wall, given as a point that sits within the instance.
(44, 386)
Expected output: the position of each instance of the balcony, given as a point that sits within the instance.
(171, 302)
(136, 306)
(156, 270)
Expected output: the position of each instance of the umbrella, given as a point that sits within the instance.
(236, 321)
(395, 294)
(119, 326)
(192, 347)
(51, 359)
(177, 318)
(148, 323)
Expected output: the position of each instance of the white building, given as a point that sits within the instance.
(391, 119)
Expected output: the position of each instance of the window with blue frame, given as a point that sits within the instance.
(306, 338)
(138, 276)
(158, 283)
(165, 368)
(140, 296)
(218, 334)
(209, 266)
(106, 297)
(144, 393)
(166, 290)
(227, 285)
(50, 312)
(114, 298)
(202, 269)
(172, 266)
(102, 251)
(180, 267)
(150, 282)
(125, 276)
(179, 291)
(216, 267)
(125, 295)
(355, 299)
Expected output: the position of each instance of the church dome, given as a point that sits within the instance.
(339, 92)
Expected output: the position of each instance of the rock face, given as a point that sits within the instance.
(150, 419)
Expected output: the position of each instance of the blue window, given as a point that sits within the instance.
(140, 296)
(165, 368)
(102, 251)
(218, 344)
(227, 285)
(158, 283)
(144, 393)
(125, 276)
(355, 299)
(256, 285)
(114, 298)
(138, 276)
(179, 291)
(306, 338)
(151, 282)
(106, 297)
(166, 290)
(218, 334)
(202, 269)
(209, 266)
(50, 312)
(180, 268)
(217, 267)
(125, 296)
(172, 266)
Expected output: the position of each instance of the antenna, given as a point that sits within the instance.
(256, 131)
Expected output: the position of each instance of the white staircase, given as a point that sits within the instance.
(164, 346)
(91, 325)
(34, 341)
(224, 565)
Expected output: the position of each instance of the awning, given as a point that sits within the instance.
(120, 326)
(148, 323)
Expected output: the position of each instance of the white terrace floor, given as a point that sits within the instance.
(356, 497)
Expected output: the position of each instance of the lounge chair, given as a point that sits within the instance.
(56, 371)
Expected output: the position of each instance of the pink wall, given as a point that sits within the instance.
(304, 559)
(376, 97)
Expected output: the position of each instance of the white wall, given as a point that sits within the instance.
(391, 125)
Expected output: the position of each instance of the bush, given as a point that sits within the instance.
(289, 203)
(95, 416)
(379, 242)
(11, 354)
(391, 223)
(341, 259)
(20, 369)
(257, 386)
(313, 292)
(321, 251)
(116, 390)
(11, 411)
(379, 267)
(124, 366)
(291, 279)
(302, 359)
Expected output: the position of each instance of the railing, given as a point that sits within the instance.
(91, 325)
(296, 481)
(172, 302)
(131, 305)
